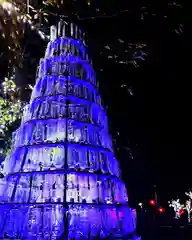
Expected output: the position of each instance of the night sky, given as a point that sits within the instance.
(154, 121)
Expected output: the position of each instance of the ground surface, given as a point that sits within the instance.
(163, 228)
(168, 233)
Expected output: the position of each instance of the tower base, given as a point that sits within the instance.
(55, 221)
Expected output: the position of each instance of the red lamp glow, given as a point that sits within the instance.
(161, 210)
(181, 211)
(152, 202)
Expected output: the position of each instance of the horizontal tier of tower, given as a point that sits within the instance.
(66, 87)
(49, 187)
(47, 222)
(59, 130)
(62, 156)
(72, 88)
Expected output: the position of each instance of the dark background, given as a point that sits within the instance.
(154, 123)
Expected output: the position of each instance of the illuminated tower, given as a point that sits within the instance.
(62, 179)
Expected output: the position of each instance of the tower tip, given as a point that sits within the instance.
(67, 30)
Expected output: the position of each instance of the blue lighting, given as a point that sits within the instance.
(62, 180)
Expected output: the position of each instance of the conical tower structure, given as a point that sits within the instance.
(62, 178)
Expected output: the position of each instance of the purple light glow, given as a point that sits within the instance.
(62, 178)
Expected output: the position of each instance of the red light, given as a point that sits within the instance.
(181, 211)
(161, 210)
(152, 202)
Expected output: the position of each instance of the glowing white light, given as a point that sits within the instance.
(140, 204)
